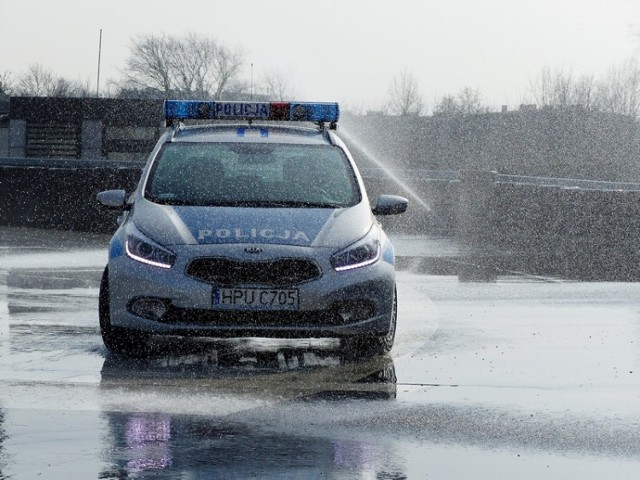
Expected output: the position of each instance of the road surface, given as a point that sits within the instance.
(519, 377)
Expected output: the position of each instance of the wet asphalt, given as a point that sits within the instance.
(517, 377)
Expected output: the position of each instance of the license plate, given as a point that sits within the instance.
(256, 298)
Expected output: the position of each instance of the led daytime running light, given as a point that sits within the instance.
(371, 261)
(357, 256)
(142, 259)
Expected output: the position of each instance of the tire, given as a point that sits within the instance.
(117, 339)
(370, 345)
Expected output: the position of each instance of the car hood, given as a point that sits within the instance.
(318, 227)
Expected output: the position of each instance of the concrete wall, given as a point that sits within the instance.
(4, 141)
(572, 233)
(110, 129)
(578, 233)
(565, 143)
(575, 233)
(63, 197)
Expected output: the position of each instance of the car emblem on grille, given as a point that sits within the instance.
(253, 250)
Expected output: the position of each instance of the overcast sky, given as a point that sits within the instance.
(340, 50)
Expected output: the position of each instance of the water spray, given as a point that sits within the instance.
(388, 171)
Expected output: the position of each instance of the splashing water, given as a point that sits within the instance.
(374, 158)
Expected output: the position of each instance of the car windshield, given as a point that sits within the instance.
(260, 175)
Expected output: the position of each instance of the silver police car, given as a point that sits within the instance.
(250, 227)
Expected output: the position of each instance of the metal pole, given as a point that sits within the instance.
(99, 54)
(252, 82)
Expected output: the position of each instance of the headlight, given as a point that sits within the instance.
(145, 250)
(365, 251)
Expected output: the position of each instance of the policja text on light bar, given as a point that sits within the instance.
(286, 111)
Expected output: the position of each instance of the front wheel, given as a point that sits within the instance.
(117, 339)
(372, 346)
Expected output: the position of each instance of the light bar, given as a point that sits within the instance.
(286, 111)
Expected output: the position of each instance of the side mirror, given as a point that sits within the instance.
(390, 205)
(113, 198)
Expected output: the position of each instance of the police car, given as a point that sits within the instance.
(250, 226)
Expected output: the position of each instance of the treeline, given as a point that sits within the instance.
(200, 67)
(157, 67)
(618, 91)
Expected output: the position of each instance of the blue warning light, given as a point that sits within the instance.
(318, 112)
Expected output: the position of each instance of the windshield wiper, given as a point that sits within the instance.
(246, 203)
(173, 201)
(298, 204)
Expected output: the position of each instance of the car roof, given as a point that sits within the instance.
(254, 133)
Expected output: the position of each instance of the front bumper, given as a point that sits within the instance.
(354, 302)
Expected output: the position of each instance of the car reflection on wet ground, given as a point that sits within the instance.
(153, 442)
(520, 377)
(269, 369)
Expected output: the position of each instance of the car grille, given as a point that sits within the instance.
(252, 319)
(361, 310)
(228, 272)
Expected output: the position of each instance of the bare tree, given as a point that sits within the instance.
(226, 66)
(584, 92)
(62, 87)
(276, 86)
(236, 90)
(447, 105)
(191, 67)
(561, 89)
(39, 81)
(467, 102)
(148, 65)
(549, 88)
(404, 97)
(6, 83)
(36, 81)
(619, 92)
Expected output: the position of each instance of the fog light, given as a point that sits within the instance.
(151, 308)
(346, 315)
(355, 311)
